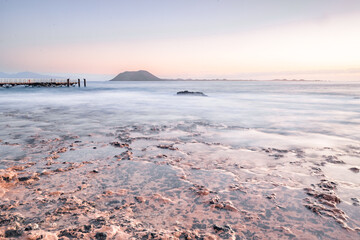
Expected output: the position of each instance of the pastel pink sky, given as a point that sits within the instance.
(183, 39)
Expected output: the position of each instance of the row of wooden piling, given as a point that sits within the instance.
(41, 82)
(68, 82)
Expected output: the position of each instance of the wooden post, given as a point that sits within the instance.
(84, 82)
(79, 82)
(68, 82)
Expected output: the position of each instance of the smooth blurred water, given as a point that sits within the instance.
(329, 110)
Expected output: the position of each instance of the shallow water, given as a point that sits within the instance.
(251, 160)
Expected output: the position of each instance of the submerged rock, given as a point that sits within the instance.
(127, 155)
(333, 159)
(120, 145)
(170, 147)
(356, 201)
(200, 190)
(188, 93)
(354, 169)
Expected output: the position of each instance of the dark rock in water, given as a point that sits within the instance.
(170, 147)
(225, 228)
(356, 201)
(127, 155)
(325, 185)
(120, 145)
(333, 159)
(191, 93)
(23, 179)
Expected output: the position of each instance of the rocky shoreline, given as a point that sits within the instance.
(172, 182)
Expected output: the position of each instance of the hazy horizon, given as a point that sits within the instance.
(108, 77)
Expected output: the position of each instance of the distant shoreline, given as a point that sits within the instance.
(143, 75)
(242, 80)
(218, 80)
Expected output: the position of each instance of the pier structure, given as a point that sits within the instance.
(32, 82)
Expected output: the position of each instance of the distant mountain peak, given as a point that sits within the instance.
(26, 74)
(141, 75)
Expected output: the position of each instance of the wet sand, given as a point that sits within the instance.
(178, 180)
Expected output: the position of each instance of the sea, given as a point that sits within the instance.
(285, 112)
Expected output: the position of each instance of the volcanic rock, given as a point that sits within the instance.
(136, 76)
(188, 93)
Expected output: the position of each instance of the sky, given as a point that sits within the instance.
(233, 39)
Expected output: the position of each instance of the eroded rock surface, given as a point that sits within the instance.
(172, 182)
